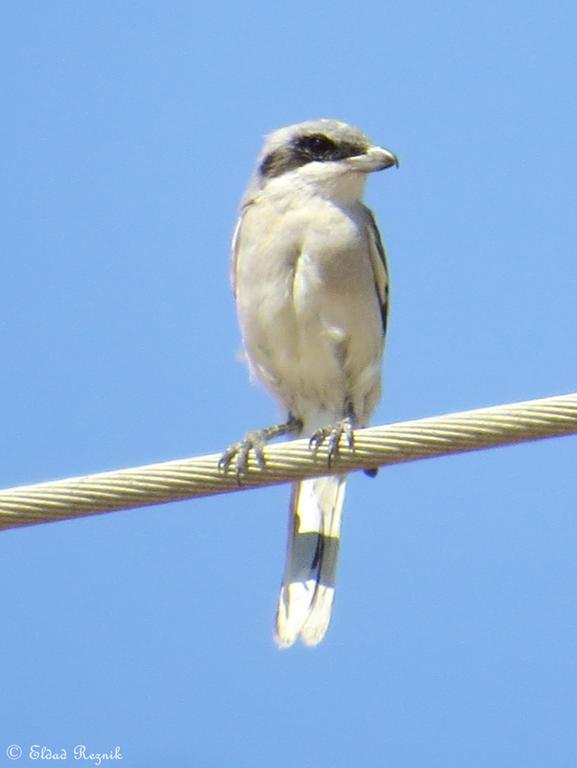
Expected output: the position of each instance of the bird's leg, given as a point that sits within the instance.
(332, 435)
(256, 440)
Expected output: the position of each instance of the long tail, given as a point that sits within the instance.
(308, 587)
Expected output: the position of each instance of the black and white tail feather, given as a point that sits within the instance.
(308, 586)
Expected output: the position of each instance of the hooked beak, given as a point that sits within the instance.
(374, 159)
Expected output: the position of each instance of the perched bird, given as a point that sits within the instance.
(311, 286)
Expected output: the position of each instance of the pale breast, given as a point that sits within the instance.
(307, 306)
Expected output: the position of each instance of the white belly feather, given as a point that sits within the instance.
(309, 313)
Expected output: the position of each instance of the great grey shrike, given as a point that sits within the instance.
(311, 286)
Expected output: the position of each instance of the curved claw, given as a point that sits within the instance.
(332, 435)
(255, 441)
(239, 452)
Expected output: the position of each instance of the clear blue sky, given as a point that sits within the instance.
(129, 130)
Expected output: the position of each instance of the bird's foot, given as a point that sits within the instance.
(237, 454)
(332, 436)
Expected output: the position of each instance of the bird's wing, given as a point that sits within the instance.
(379, 265)
(235, 250)
(235, 246)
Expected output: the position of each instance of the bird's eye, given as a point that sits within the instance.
(320, 143)
(317, 146)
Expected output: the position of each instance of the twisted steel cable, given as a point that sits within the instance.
(288, 461)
